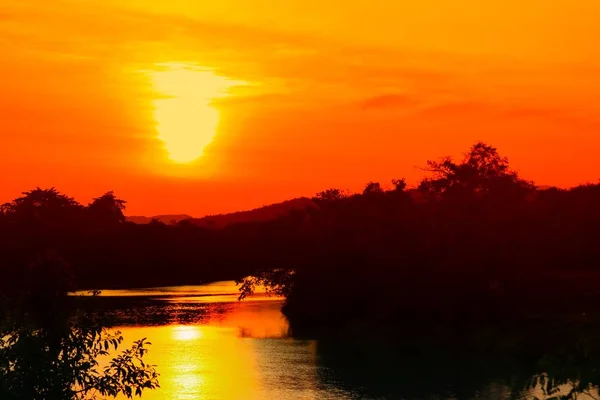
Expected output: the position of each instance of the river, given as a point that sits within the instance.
(207, 345)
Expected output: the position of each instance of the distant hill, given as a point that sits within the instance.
(166, 219)
(265, 213)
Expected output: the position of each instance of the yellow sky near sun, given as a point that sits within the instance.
(340, 93)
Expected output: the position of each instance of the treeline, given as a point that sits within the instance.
(474, 257)
(474, 246)
(473, 241)
(103, 250)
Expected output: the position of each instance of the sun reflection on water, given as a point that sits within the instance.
(236, 350)
(187, 332)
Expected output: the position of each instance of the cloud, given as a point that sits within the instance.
(310, 68)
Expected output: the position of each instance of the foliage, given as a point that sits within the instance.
(331, 195)
(372, 188)
(399, 184)
(107, 208)
(277, 281)
(484, 248)
(483, 171)
(51, 349)
(477, 249)
(41, 206)
(484, 224)
(69, 369)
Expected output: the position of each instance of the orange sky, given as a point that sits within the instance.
(333, 94)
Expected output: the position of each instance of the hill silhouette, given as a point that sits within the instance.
(265, 213)
(261, 214)
(165, 219)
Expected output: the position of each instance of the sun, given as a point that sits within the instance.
(186, 119)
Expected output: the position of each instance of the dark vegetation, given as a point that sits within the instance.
(266, 213)
(471, 230)
(476, 262)
(475, 245)
(52, 346)
(475, 259)
(471, 227)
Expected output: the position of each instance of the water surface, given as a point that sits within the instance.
(208, 345)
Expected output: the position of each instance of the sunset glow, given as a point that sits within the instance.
(186, 119)
(303, 199)
(194, 107)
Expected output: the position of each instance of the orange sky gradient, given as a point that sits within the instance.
(322, 94)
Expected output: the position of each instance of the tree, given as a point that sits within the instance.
(372, 188)
(330, 195)
(107, 208)
(277, 281)
(51, 349)
(42, 206)
(483, 171)
(69, 370)
(399, 184)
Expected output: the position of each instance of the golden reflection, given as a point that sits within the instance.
(186, 118)
(187, 332)
(212, 361)
(237, 350)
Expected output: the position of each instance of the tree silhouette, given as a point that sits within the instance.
(107, 208)
(478, 259)
(50, 349)
(399, 184)
(372, 188)
(483, 171)
(330, 195)
(42, 206)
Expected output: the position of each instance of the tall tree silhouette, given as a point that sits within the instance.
(107, 208)
(399, 184)
(372, 188)
(42, 206)
(483, 171)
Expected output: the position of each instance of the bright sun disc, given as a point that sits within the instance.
(186, 120)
